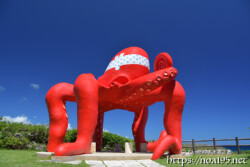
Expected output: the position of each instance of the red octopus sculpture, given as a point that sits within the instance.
(126, 84)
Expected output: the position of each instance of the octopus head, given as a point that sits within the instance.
(127, 65)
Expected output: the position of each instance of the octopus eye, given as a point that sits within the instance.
(121, 80)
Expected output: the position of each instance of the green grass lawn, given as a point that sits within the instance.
(207, 158)
(27, 158)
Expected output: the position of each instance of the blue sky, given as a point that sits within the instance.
(47, 42)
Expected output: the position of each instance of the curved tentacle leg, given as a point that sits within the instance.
(174, 104)
(86, 92)
(99, 131)
(138, 127)
(152, 145)
(56, 99)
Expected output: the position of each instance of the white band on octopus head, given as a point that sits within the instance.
(128, 59)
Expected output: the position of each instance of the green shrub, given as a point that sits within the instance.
(109, 140)
(70, 136)
(23, 136)
(245, 152)
(38, 133)
(14, 143)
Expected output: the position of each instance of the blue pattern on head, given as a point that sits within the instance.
(128, 59)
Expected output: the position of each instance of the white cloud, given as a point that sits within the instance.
(69, 127)
(105, 130)
(25, 120)
(18, 119)
(35, 86)
(23, 99)
(2, 88)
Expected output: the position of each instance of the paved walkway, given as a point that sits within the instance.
(124, 163)
(116, 163)
(104, 159)
(104, 156)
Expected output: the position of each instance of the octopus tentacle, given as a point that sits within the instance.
(56, 99)
(99, 131)
(86, 92)
(148, 83)
(138, 127)
(174, 104)
(153, 145)
(162, 60)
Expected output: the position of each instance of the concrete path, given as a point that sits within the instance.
(104, 159)
(117, 163)
(124, 163)
(95, 163)
(102, 156)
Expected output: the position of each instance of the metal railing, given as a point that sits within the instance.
(214, 143)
